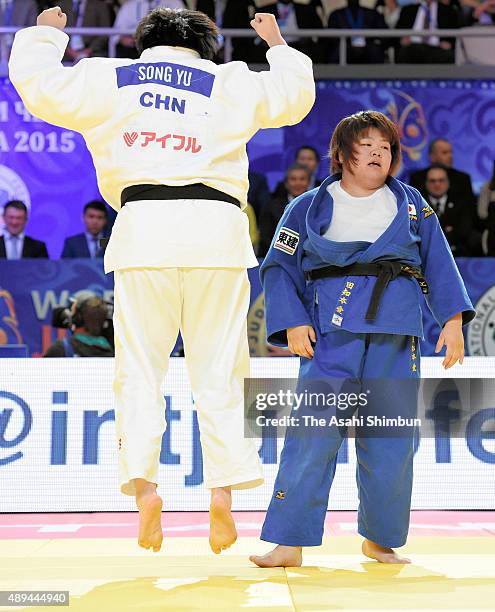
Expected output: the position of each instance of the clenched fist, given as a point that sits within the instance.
(266, 27)
(52, 17)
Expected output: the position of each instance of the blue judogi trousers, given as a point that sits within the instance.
(299, 503)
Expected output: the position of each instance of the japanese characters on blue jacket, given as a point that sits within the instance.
(414, 238)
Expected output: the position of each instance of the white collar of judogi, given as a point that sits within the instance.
(164, 50)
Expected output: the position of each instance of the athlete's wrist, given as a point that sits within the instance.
(275, 41)
(455, 320)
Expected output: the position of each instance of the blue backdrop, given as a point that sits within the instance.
(52, 171)
(29, 289)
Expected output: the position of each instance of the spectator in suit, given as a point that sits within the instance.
(390, 10)
(359, 50)
(237, 15)
(18, 13)
(427, 16)
(85, 14)
(441, 152)
(478, 12)
(309, 15)
(486, 215)
(129, 15)
(14, 13)
(87, 244)
(258, 194)
(455, 216)
(308, 156)
(296, 182)
(290, 14)
(14, 244)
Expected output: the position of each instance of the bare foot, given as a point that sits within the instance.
(222, 527)
(381, 553)
(280, 556)
(150, 525)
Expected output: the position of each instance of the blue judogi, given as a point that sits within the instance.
(350, 347)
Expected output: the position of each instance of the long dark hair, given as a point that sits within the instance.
(178, 28)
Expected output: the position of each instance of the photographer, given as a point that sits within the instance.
(92, 335)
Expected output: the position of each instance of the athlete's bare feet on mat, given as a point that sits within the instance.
(150, 525)
(222, 527)
(280, 556)
(381, 553)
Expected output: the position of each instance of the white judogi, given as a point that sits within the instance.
(172, 118)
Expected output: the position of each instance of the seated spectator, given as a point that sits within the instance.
(258, 194)
(14, 244)
(21, 13)
(296, 182)
(429, 15)
(237, 15)
(85, 14)
(87, 244)
(308, 156)
(359, 50)
(18, 13)
(290, 14)
(478, 12)
(307, 15)
(89, 315)
(440, 152)
(486, 214)
(455, 216)
(390, 10)
(129, 15)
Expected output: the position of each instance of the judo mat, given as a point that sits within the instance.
(96, 558)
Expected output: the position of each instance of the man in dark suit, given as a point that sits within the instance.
(18, 13)
(440, 152)
(85, 14)
(14, 244)
(455, 216)
(14, 13)
(359, 50)
(87, 243)
(258, 194)
(308, 156)
(309, 15)
(236, 15)
(428, 15)
(296, 182)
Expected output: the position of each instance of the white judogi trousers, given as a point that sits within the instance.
(209, 306)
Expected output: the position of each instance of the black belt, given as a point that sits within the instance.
(197, 191)
(384, 270)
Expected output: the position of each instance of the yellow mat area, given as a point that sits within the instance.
(115, 575)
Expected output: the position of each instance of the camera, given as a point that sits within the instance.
(64, 317)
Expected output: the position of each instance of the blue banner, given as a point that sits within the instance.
(463, 112)
(48, 168)
(30, 289)
(51, 169)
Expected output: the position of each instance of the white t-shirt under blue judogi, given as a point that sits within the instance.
(360, 218)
